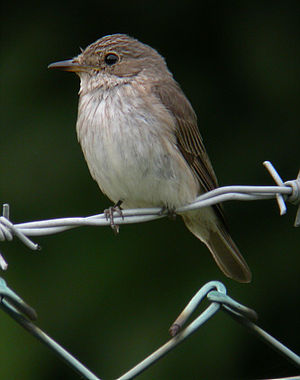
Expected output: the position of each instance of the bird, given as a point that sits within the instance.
(140, 139)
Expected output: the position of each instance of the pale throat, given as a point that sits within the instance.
(97, 80)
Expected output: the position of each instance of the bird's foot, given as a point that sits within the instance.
(170, 212)
(109, 215)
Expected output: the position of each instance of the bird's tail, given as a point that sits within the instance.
(210, 229)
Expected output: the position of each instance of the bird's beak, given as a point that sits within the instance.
(67, 65)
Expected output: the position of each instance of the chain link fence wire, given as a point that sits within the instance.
(214, 291)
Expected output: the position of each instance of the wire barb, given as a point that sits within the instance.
(278, 180)
(3, 263)
(295, 197)
(4, 235)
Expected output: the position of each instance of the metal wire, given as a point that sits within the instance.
(214, 291)
(23, 314)
(289, 191)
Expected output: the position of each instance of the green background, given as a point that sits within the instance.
(110, 300)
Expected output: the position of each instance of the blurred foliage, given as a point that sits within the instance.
(110, 300)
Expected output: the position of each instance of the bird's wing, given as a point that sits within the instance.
(189, 140)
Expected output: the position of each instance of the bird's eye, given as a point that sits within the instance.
(110, 59)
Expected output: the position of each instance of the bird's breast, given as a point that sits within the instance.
(130, 148)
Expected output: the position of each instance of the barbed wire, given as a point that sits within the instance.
(214, 291)
(283, 191)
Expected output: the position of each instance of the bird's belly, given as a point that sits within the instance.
(133, 161)
(139, 171)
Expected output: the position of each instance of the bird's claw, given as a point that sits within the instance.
(170, 212)
(109, 215)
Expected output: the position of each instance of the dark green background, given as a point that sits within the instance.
(110, 300)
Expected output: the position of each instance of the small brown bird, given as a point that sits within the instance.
(139, 136)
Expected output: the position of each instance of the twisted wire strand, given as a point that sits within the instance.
(283, 191)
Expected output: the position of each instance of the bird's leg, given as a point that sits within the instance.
(109, 214)
(170, 212)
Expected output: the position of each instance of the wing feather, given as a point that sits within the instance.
(189, 140)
